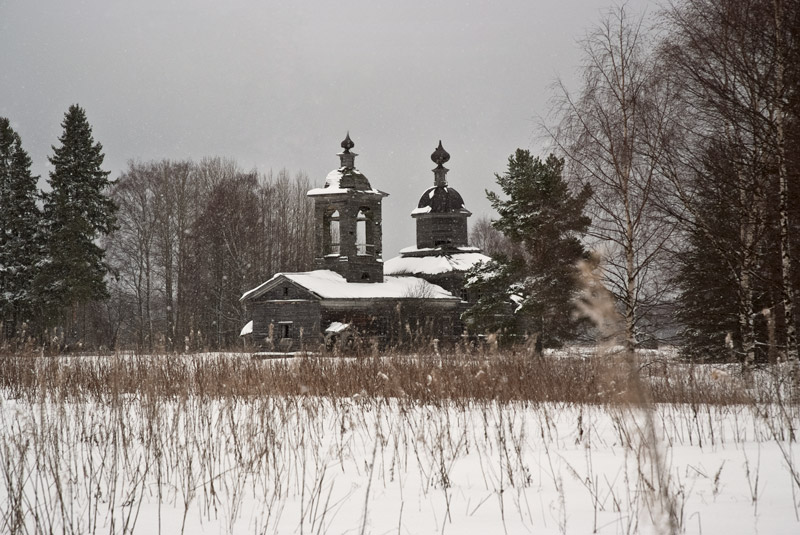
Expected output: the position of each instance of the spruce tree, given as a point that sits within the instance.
(723, 318)
(19, 236)
(77, 213)
(707, 303)
(544, 222)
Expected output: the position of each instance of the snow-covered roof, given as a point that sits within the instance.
(333, 183)
(330, 285)
(413, 250)
(337, 327)
(247, 329)
(434, 264)
(441, 199)
(423, 210)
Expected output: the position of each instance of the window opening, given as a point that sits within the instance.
(361, 234)
(285, 330)
(334, 233)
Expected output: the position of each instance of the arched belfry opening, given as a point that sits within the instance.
(333, 234)
(365, 232)
(348, 222)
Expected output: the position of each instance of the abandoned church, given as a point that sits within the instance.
(352, 295)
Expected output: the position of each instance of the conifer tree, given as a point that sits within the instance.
(77, 213)
(710, 265)
(544, 222)
(733, 149)
(19, 237)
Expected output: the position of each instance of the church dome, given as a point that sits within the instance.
(345, 179)
(440, 200)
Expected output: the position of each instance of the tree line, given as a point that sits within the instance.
(51, 264)
(155, 260)
(687, 134)
(191, 239)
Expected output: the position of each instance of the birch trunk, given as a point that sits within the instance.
(787, 293)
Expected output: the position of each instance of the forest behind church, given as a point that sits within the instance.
(192, 237)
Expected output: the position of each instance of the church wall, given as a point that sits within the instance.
(432, 229)
(286, 324)
(452, 281)
(348, 262)
(395, 322)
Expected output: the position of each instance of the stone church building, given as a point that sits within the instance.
(352, 296)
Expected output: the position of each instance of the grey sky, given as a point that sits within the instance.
(277, 84)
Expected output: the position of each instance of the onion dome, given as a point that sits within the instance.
(346, 178)
(348, 144)
(440, 156)
(440, 200)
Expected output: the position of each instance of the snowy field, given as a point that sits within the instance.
(370, 464)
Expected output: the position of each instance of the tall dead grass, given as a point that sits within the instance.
(594, 379)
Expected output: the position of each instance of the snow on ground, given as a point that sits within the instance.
(314, 465)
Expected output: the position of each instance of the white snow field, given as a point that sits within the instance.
(304, 464)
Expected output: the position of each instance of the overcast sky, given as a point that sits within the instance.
(278, 84)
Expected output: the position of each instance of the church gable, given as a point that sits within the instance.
(279, 288)
(285, 289)
(285, 315)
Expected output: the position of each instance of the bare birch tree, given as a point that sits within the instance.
(131, 248)
(611, 134)
(176, 199)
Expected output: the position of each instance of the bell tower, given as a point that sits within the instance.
(347, 211)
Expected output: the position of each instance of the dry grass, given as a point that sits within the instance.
(418, 378)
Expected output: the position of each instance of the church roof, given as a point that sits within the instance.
(346, 179)
(330, 285)
(415, 261)
(440, 200)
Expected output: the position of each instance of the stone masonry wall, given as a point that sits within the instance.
(434, 230)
